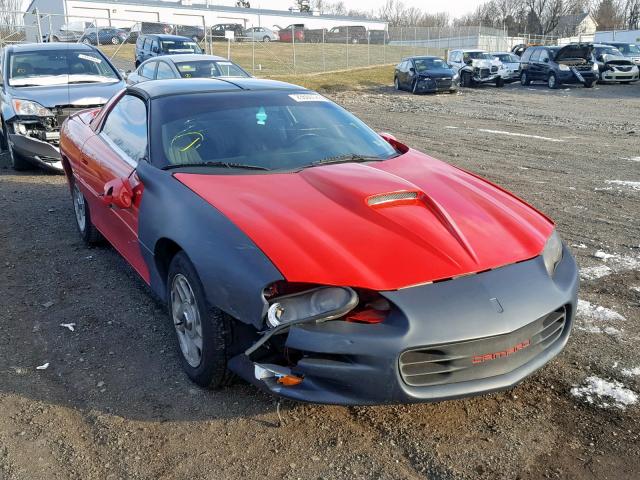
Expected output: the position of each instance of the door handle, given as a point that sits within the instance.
(84, 160)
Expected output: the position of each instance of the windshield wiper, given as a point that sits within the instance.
(351, 157)
(84, 81)
(216, 164)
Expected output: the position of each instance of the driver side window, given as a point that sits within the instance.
(544, 56)
(126, 127)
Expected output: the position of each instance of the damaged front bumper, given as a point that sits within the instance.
(436, 84)
(620, 73)
(37, 141)
(467, 336)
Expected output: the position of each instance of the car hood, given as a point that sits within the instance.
(440, 72)
(616, 60)
(319, 225)
(571, 52)
(483, 63)
(77, 95)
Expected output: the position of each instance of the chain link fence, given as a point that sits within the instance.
(258, 49)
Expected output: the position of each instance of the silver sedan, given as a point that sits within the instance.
(260, 34)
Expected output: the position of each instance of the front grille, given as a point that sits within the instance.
(624, 77)
(494, 69)
(584, 68)
(443, 83)
(485, 72)
(624, 68)
(481, 358)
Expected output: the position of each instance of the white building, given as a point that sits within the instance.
(125, 13)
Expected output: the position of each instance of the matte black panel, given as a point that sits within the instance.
(233, 270)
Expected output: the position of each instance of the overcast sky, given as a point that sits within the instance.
(454, 7)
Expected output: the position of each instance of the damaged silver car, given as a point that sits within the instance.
(42, 84)
(614, 66)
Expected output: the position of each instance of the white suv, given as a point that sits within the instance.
(476, 67)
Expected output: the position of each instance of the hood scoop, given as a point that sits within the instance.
(392, 199)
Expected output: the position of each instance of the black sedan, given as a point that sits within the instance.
(104, 36)
(185, 66)
(425, 75)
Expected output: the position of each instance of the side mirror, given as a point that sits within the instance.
(468, 61)
(391, 140)
(118, 193)
(155, 49)
(546, 60)
(412, 70)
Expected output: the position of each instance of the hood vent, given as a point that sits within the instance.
(385, 199)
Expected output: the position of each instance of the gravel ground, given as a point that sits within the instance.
(114, 404)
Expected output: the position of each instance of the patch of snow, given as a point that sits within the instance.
(635, 289)
(589, 311)
(631, 372)
(579, 245)
(451, 127)
(593, 273)
(635, 159)
(625, 183)
(603, 393)
(603, 255)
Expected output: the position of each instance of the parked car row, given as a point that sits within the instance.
(576, 63)
(243, 203)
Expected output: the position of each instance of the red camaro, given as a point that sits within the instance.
(300, 250)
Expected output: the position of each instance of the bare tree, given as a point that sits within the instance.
(10, 16)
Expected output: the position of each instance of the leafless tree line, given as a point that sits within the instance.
(538, 17)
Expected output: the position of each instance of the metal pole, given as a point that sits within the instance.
(415, 39)
(293, 44)
(39, 26)
(253, 54)
(324, 60)
(368, 48)
(95, 24)
(50, 27)
(347, 46)
(228, 48)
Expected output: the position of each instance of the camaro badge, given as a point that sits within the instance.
(504, 353)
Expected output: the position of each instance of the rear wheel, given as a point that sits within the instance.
(552, 81)
(524, 80)
(89, 233)
(203, 332)
(266, 39)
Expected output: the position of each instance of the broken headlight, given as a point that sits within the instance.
(552, 253)
(320, 304)
(30, 108)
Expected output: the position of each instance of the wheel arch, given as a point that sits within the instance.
(164, 251)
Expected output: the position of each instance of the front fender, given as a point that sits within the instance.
(233, 270)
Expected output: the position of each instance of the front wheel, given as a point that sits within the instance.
(466, 79)
(86, 41)
(590, 84)
(524, 80)
(266, 39)
(500, 82)
(552, 81)
(115, 41)
(203, 332)
(396, 83)
(89, 233)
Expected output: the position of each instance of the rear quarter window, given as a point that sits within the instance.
(526, 55)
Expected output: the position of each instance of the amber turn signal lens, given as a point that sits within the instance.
(290, 380)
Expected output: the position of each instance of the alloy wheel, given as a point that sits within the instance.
(186, 320)
(79, 206)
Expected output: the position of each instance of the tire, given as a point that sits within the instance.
(499, 82)
(137, 63)
(590, 84)
(414, 87)
(86, 41)
(55, 39)
(524, 79)
(266, 39)
(205, 366)
(466, 79)
(88, 232)
(115, 41)
(195, 38)
(18, 162)
(552, 81)
(396, 83)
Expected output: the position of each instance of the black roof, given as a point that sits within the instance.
(185, 86)
(424, 57)
(29, 47)
(163, 36)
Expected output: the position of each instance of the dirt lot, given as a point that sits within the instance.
(113, 402)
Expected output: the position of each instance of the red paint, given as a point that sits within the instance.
(95, 168)
(316, 226)
(487, 357)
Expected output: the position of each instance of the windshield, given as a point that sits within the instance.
(507, 58)
(629, 49)
(209, 69)
(608, 51)
(277, 130)
(59, 67)
(180, 46)
(424, 64)
(477, 56)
